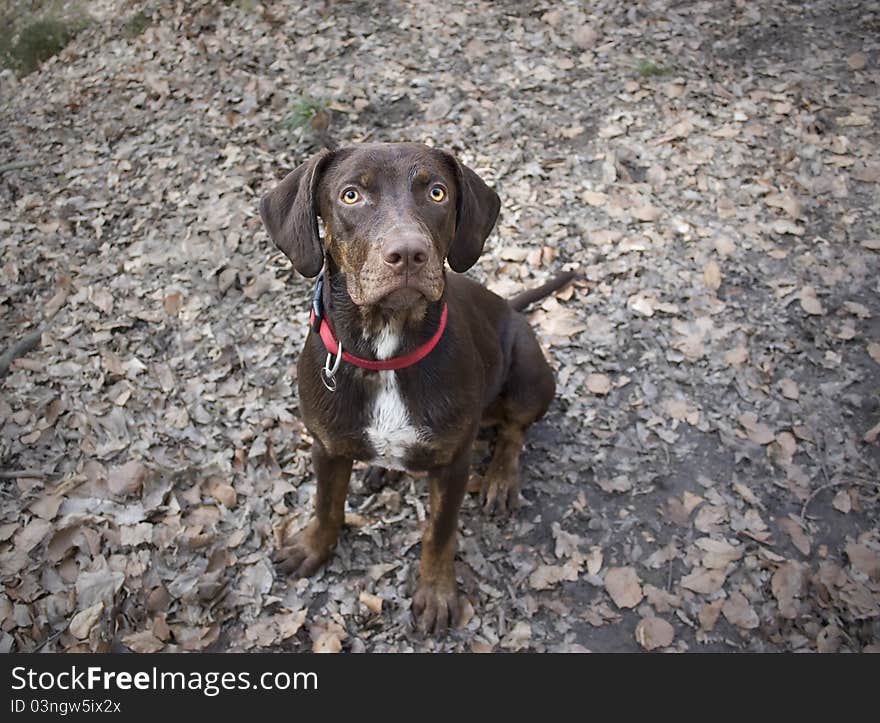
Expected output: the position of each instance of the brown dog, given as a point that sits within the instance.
(425, 358)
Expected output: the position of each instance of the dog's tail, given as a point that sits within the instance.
(522, 300)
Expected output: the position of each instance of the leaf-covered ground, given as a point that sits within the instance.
(708, 476)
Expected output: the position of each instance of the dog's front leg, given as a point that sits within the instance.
(435, 604)
(312, 546)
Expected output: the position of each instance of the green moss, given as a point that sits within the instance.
(648, 68)
(136, 24)
(304, 109)
(36, 41)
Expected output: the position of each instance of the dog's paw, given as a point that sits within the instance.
(499, 495)
(303, 556)
(435, 609)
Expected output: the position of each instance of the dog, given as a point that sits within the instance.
(403, 362)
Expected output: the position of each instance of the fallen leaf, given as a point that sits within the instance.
(373, 603)
(647, 213)
(709, 614)
(82, 623)
(718, 554)
(828, 640)
(653, 633)
(737, 356)
(712, 276)
(798, 538)
(856, 61)
(738, 612)
(704, 581)
(327, 639)
(624, 587)
(173, 303)
(594, 560)
(546, 576)
(518, 638)
(787, 585)
(143, 642)
(842, 502)
(641, 304)
(789, 389)
(127, 479)
(809, 302)
(224, 494)
(620, 483)
(864, 559)
(598, 383)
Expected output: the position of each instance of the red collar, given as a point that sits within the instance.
(398, 362)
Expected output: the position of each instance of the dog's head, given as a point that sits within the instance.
(392, 212)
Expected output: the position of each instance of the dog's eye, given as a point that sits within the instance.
(438, 193)
(350, 196)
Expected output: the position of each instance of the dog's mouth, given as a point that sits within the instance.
(403, 292)
(401, 298)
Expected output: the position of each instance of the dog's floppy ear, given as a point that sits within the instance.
(477, 208)
(290, 214)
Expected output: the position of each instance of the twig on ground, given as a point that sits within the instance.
(17, 166)
(15, 473)
(28, 343)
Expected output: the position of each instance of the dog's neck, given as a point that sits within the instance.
(375, 332)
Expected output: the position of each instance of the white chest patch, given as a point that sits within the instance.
(390, 430)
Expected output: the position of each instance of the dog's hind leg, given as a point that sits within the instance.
(524, 399)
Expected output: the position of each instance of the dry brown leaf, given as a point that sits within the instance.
(624, 586)
(718, 554)
(224, 494)
(598, 383)
(789, 389)
(798, 538)
(647, 213)
(143, 642)
(828, 640)
(660, 600)
(864, 559)
(842, 502)
(546, 576)
(585, 37)
(809, 302)
(289, 624)
(787, 585)
(518, 638)
(712, 276)
(82, 623)
(704, 581)
(127, 479)
(327, 639)
(856, 61)
(653, 633)
(737, 356)
(738, 612)
(173, 303)
(372, 602)
(709, 614)
(757, 432)
(620, 483)
(594, 198)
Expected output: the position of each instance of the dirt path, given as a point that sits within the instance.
(708, 477)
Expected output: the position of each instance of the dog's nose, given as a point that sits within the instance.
(405, 255)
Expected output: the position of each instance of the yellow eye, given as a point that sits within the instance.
(438, 193)
(350, 196)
